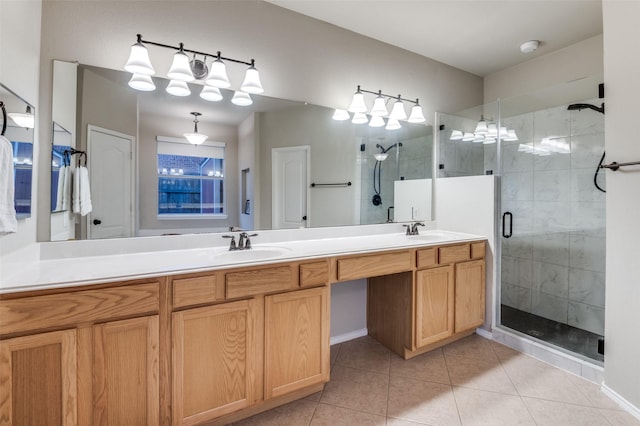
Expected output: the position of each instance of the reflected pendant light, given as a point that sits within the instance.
(468, 137)
(456, 135)
(180, 68)
(376, 121)
(251, 83)
(195, 138)
(178, 88)
(379, 108)
(492, 130)
(416, 114)
(139, 62)
(393, 124)
(241, 99)
(359, 118)
(398, 111)
(212, 94)
(23, 119)
(511, 136)
(481, 127)
(357, 103)
(142, 82)
(218, 74)
(340, 115)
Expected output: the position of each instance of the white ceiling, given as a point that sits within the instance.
(478, 36)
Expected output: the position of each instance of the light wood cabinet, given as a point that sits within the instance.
(214, 361)
(470, 295)
(434, 304)
(125, 372)
(38, 379)
(296, 340)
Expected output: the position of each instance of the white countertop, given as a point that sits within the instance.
(74, 271)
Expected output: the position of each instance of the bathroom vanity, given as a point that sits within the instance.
(211, 345)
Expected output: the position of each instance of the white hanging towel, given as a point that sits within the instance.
(85, 192)
(66, 194)
(75, 196)
(60, 191)
(8, 221)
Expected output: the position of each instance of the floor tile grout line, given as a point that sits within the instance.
(455, 401)
(351, 409)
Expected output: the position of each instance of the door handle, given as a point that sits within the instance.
(97, 221)
(504, 223)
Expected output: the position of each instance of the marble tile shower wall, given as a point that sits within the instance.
(414, 163)
(553, 265)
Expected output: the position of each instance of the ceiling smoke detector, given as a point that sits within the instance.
(529, 46)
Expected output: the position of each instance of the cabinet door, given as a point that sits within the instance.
(296, 340)
(434, 305)
(125, 372)
(38, 379)
(470, 278)
(214, 361)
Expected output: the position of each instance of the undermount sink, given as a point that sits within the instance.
(253, 254)
(432, 236)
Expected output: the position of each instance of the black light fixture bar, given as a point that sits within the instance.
(197, 52)
(379, 93)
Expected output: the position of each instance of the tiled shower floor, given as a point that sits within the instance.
(565, 336)
(474, 381)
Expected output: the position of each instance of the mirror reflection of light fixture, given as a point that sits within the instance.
(212, 94)
(341, 115)
(359, 118)
(486, 132)
(178, 88)
(23, 119)
(241, 99)
(456, 135)
(195, 138)
(392, 124)
(481, 127)
(184, 70)
(376, 121)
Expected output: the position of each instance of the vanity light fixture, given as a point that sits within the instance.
(23, 119)
(184, 70)
(195, 138)
(358, 107)
(486, 132)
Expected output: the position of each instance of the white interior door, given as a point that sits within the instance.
(110, 158)
(290, 178)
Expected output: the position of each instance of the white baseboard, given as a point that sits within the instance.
(348, 336)
(484, 333)
(629, 407)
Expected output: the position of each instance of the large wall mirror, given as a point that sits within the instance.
(273, 164)
(18, 120)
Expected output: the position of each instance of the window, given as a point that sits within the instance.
(190, 179)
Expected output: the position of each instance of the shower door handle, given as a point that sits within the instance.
(504, 225)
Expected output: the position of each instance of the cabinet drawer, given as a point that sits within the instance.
(64, 309)
(195, 290)
(316, 273)
(427, 257)
(259, 281)
(373, 265)
(452, 254)
(477, 250)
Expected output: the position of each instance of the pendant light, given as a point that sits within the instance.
(139, 62)
(251, 83)
(393, 124)
(195, 138)
(417, 115)
(359, 118)
(178, 88)
(142, 82)
(357, 103)
(212, 94)
(241, 99)
(379, 107)
(218, 74)
(376, 121)
(398, 111)
(456, 135)
(481, 127)
(180, 69)
(340, 115)
(23, 119)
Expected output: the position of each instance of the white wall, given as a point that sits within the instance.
(19, 70)
(348, 310)
(247, 148)
(622, 317)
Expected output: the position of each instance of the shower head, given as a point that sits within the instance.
(385, 150)
(578, 107)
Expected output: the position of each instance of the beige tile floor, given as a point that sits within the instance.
(470, 382)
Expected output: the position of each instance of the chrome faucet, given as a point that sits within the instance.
(412, 229)
(244, 243)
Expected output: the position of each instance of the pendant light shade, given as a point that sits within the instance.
(357, 103)
(488, 140)
(359, 118)
(511, 136)
(251, 83)
(478, 138)
(180, 69)
(393, 124)
(416, 114)
(178, 88)
(468, 137)
(481, 127)
(241, 99)
(504, 133)
(492, 130)
(139, 62)
(456, 135)
(212, 94)
(379, 107)
(142, 82)
(23, 119)
(376, 121)
(195, 138)
(218, 74)
(398, 111)
(341, 115)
